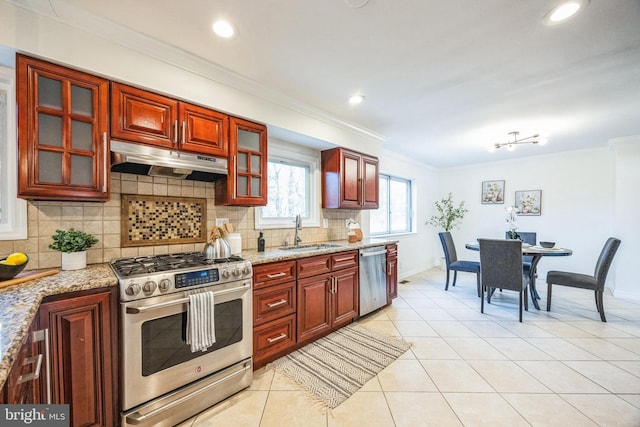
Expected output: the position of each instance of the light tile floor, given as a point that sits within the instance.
(558, 368)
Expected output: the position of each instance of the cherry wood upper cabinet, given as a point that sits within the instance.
(349, 180)
(148, 118)
(246, 184)
(63, 141)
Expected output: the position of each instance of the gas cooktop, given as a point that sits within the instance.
(144, 265)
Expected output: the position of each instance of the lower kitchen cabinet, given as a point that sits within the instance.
(330, 300)
(392, 272)
(23, 382)
(83, 340)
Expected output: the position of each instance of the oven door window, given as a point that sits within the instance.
(164, 339)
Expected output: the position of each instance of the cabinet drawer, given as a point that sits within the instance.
(273, 337)
(272, 302)
(273, 273)
(392, 251)
(343, 260)
(314, 265)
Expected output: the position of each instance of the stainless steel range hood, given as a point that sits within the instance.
(146, 160)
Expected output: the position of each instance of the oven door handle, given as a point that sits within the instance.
(139, 418)
(138, 310)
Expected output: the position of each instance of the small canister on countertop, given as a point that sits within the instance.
(235, 241)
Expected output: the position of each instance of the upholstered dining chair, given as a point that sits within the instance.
(501, 267)
(531, 238)
(454, 264)
(585, 281)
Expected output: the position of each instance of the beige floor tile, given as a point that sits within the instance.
(451, 329)
(394, 313)
(434, 314)
(455, 376)
(606, 410)
(562, 329)
(262, 379)
(292, 409)
(614, 379)
(385, 326)
(281, 382)
(631, 344)
(372, 385)
(405, 375)
(421, 409)
(632, 367)
(243, 409)
(362, 409)
(484, 409)
(603, 349)
(517, 349)
(421, 302)
(633, 399)
(559, 377)
(506, 376)
(488, 329)
(432, 348)
(525, 330)
(561, 349)
(632, 328)
(601, 329)
(471, 313)
(547, 410)
(414, 328)
(474, 348)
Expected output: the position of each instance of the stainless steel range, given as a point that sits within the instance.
(162, 381)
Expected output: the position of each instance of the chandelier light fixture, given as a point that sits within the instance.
(511, 145)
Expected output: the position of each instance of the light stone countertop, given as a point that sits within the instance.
(20, 303)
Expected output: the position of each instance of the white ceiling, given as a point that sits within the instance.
(443, 79)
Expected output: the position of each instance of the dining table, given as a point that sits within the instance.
(536, 252)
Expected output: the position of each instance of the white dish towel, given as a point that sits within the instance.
(201, 328)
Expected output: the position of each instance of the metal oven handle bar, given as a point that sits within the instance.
(138, 418)
(138, 310)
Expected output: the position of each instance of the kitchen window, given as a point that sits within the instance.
(393, 215)
(13, 211)
(292, 189)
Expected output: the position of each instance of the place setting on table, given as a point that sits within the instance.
(536, 252)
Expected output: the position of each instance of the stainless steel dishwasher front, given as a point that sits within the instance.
(373, 279)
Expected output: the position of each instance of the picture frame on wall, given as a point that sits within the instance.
(492, 192)
(529, 203)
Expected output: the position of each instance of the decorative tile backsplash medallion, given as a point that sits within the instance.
(160, 220)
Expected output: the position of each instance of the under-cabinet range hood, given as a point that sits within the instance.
(146, 160)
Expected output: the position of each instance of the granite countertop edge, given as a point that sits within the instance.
(20, 303)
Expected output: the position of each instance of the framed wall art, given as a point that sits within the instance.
(492, 192)
(529, 202)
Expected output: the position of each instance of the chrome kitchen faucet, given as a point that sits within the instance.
(297, 240)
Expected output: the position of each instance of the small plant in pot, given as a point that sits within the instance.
(448, 215)
(73, 244)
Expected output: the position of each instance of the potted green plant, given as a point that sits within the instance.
(73, 244)
(449, 216)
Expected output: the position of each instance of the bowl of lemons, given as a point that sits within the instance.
(12, 265)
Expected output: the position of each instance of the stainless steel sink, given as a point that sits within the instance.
(310, 247)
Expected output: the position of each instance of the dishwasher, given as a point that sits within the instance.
(373, 279)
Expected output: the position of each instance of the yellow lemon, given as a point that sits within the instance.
(17, 258)
(7, 262)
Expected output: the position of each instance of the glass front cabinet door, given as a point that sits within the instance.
(63, 141)
(246, 184)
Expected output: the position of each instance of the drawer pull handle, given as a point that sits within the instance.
(36, 372)
(278, 338)
(274, 276)
(275, 304)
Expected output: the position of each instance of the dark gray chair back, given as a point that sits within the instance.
(604, 261)
(501, 264)
(449, 247)
(529, 237)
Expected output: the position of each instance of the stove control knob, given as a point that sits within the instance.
(132, 289)
(236, 272)
(246, 270)
(164, 285)
(149, 287)
(226, 274)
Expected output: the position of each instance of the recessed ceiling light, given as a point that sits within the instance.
(223, 29)
(564, 11)
(356, 99)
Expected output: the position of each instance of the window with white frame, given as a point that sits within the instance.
(13, 211)
(292, 189)
(393, 215)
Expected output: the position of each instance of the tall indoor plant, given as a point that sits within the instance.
(449, 216)
(73, 244)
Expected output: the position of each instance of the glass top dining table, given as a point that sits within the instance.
(536, 252)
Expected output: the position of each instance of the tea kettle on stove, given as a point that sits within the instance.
(217, 246)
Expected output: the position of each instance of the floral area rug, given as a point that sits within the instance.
(334, 367)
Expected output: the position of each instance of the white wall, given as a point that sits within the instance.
(577, 203)
(626, 216)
